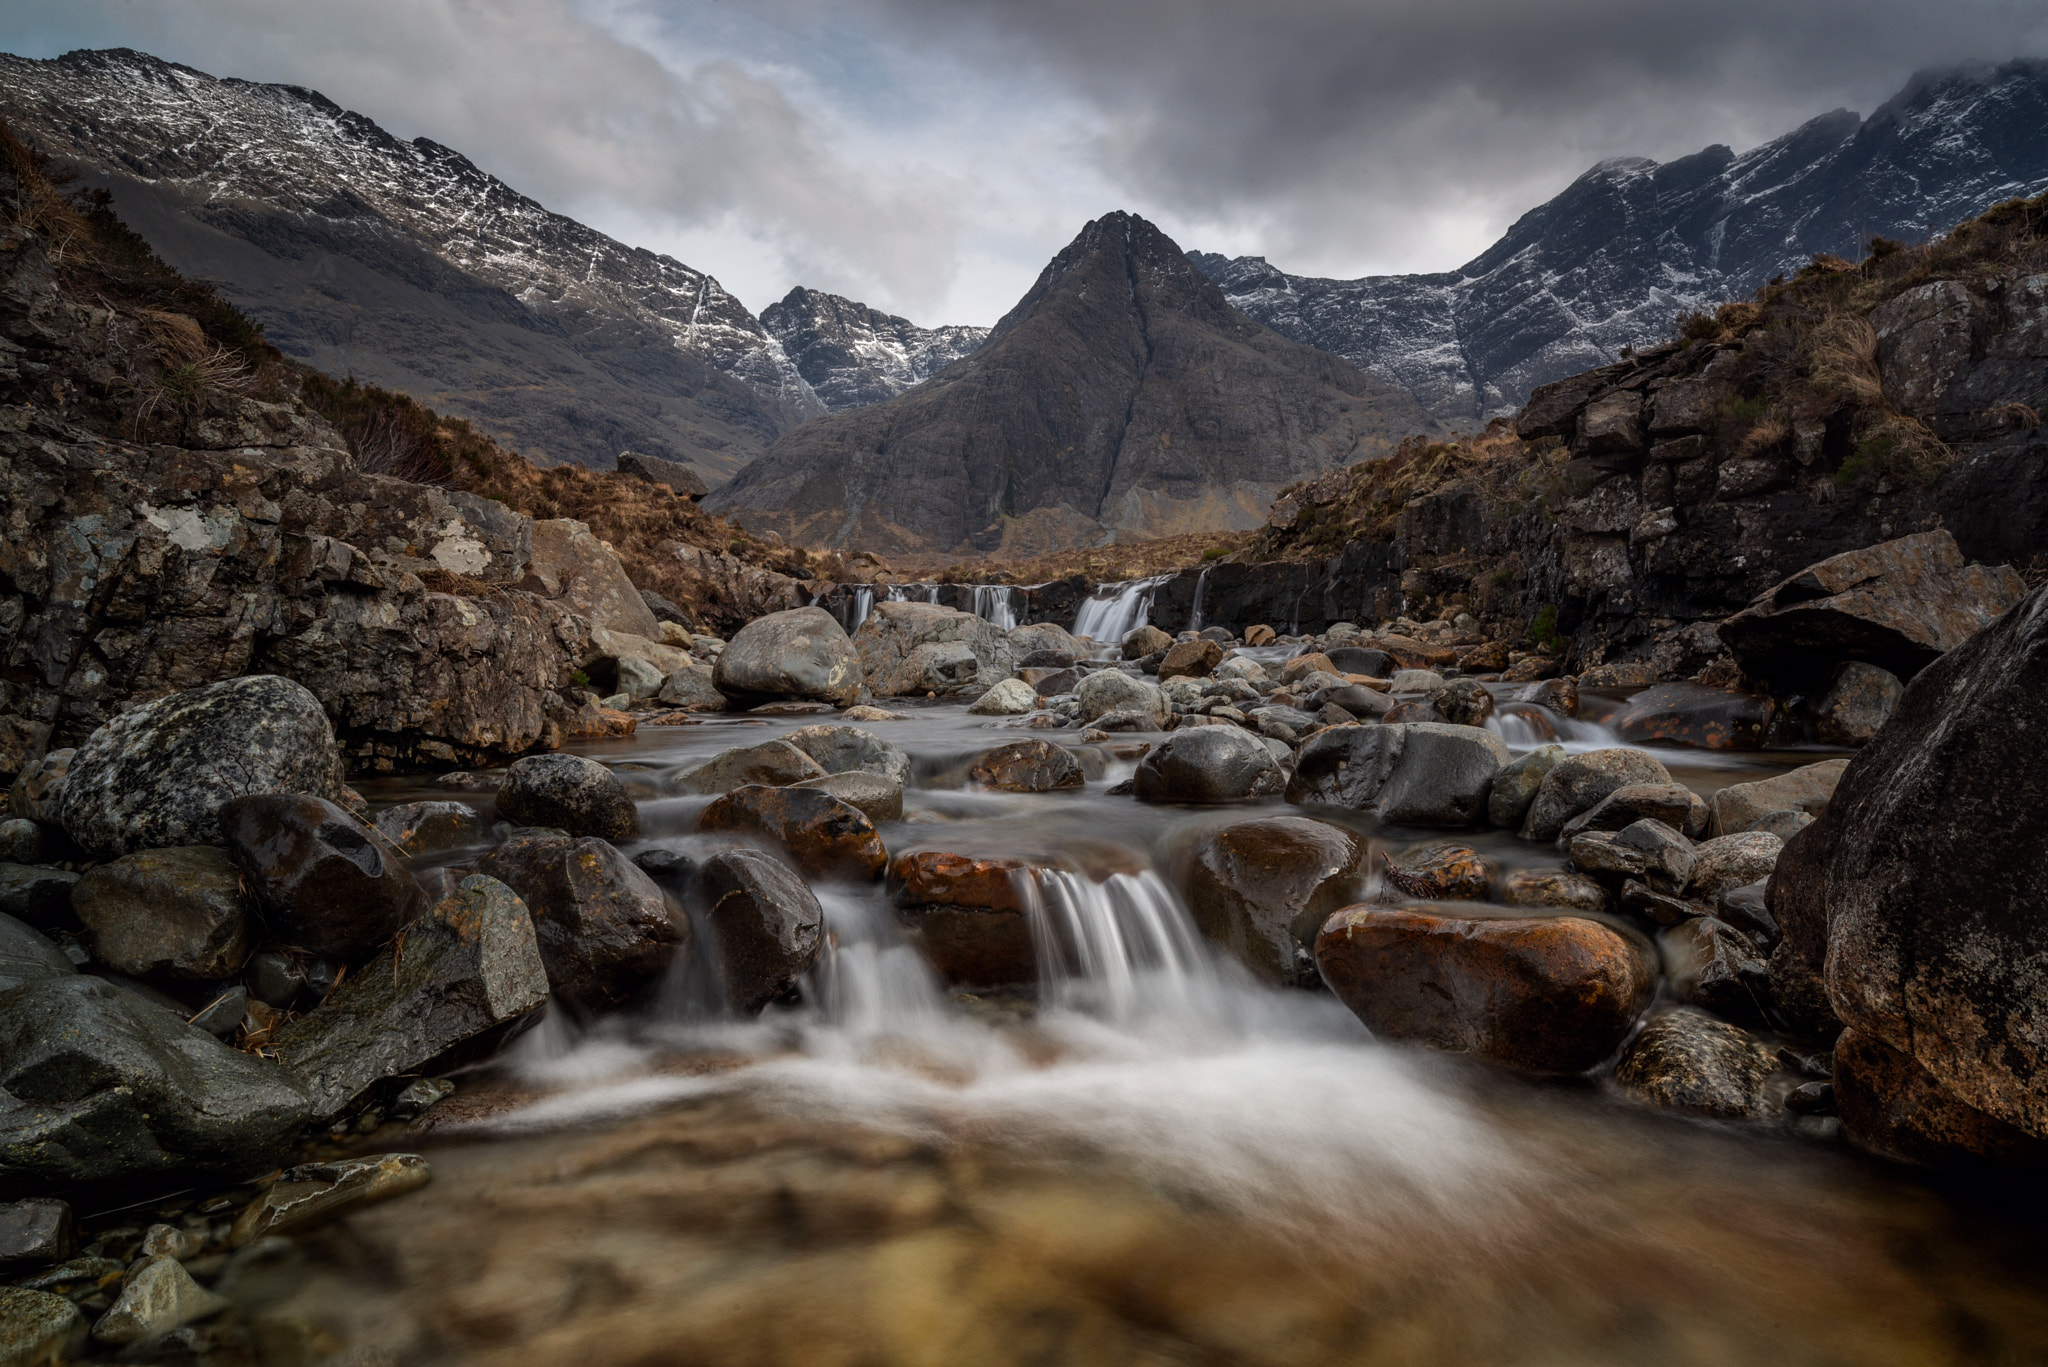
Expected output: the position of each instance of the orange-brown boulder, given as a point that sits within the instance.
(1441, 871)
(1028, 766)
(968, 915)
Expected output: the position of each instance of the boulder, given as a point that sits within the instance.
(1010, 698)
(157, 1297)
(638, 680)
(462, 980)
(1142, 641)
(1441, 871)
(1557, 695)
(1578, 782)
(1674, 804)
(692, 689)
(177, 914)
(568, 793)
(1712, 965)
(1554, 888)
(825, 837)
(156, 775)
(1685, 1060)
(572, 564)
(908, 649)
(38, 1328)
(880, 797)
(682, 480)
(27, 956)
(801, 653)
(1806, 789)
(33, 1233)
(846, 749)
(1028, 766)
(605, 931)
(1899, 605)
(1424, 682)
(1858, 701)
(1730, 861)
(1696, 715)
(1112, 690)
(40, 896)
(1045, 636)
(1553, 994)
(422, 828)
(324, 880)
(1515, 786)
(1895, 1108)
(312, 1194)
(968, 915)
(1195, 659)
(1418, 774)
(772, 762)
(769, 927)
(99, 1087)
(33, 794)
(22, 842)
(1261, 889)
(1464, 702)
(1375, 664)
(1208, 764)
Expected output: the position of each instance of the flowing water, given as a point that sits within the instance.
(1113, 611)
(1159, 1161)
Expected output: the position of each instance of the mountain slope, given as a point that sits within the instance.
(1614, 258)
(404, 264)
(852, 355)
(1121, 395)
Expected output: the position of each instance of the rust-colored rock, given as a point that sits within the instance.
(1028, 766)
(1301, 666)
(1262, 888)
(1542, 994)
(968, 915)
(1441, 872)
(1410, 653)
(1696, 715)
(827, 838)
(1553, 888)
(1893, 1107)
(1490, 657)
(1194, 659)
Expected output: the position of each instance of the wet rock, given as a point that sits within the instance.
(604, 928)
(1685, 1060)
(1195, 659)
(1142, 641)
(39, 896)
(1374, 664)
(1112, 690)
(846, 749)
(1670, 861)
(1126, 721)
(1010, 698)
(158, 1296)
(1578, 782)
(418, 828)
(825, 837)
(223, 1015)
(314, 1193)
(176, 913)
(157, 775)
(32, 795)
(1640, 899)
(273, 979)
(1027, 766)
(1287, 724)
(774, 763)
(38, 1329)
(1553, 994)
(1209, 764)
(27, 956)
(1553, 888)
(879, 797)
(693, 689)
(1696, 715)
(908, 649)
(1811, 1098)
(22, 842)
(1559, 695)
(1807, 789)
(1891, 1106)
(1464, 702)
(458, 983)
(1515, 786)
(1730, 861)
(1748, 910)
(1262, 888)
(801, 653)
(1441, 872)
(1673, 804)
(1857, 703)
(33, 1233)
(324, 881)
(569, 793)
(1299, 667)
(1424, 774)
(1712, 965)
(769, 926)
(103, 1086)
(967, 915)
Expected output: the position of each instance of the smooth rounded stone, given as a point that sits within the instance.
(1056, 683)
(1712, 965)
(419, 828)
(1731, 861)
(22, 842)
(769, 926)
(1424, 681)
(1559, 695)
(1239, 667)
(31, 797)
(1112, 690)
(1376, 664)
(1551, 994)
(1578, 782)
(772, 762)
(1195, 659)
(1309, 662)
(1420, 774)
(1028, 766)
(1674, 804)
(1811, 1098)
(39, 896)
(1514, 786)
(844, 749)
(1262, 888)
(312, 1194)
(223, 1015)
(801, 653)
(27, 955)
(1696, 715)
(570, 793)
(177, 914)
(1046, 637)
(1464, 702)
(157, 775)
(1685, 1060)
(1893, 1107)
(1669, 859)
(1783, 825)
(877, 795)
(1045, 659)
(38, 1328)
(1126, 721)
(1441, 871)
(1364, 703)
(1553, 888)
(638, 679)
(273, 979)
(1209, 764)
(604, 928)
(461, 981)
(164, 1241)
(867, 713)
(1859, 701)
(107, 1087)
(1747, 909)
(1142, 641)
(324, 880)
(33, 1233)
(825, 837)
(1010, 698)
(1740, 806)
(692, 688)
(968, 915)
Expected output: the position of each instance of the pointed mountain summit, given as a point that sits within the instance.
(852, 355)
(1121, 396)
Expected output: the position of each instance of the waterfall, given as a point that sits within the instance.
(1201, 583)
(1114, 949)
(863, 604)
(996, 604)
(1115, 610)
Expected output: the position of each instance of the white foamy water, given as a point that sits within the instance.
(1114, 611)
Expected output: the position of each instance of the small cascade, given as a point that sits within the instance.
(1114, 611)
(1201, 584)
(996, 604)
(1116, 949)
(863, 604)
(871, 984)
(1524, 726)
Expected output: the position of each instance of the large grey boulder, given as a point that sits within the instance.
(325, 881)
(1112, 690)
(156, 775)
(1807, 790)
(1262, 888)
(772, 762)
(1578, 783)
(769, 925)
(909, 649)
(1413, 774)
(801, 653)
(845, 749)
(569, 793)
(571, 563)
(605, 931)
(177, 913)
(1208, 764)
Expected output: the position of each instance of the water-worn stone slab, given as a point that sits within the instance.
(879, 797)
(1414, 774)
(1262, 888)
(1806, 789)
(1685, 1060)
(769, 925)
(314, 1193)
(772, 762)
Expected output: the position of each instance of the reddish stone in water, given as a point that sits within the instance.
(968, 915)
(1441, 871)
(1195, 659)
(1028, 766)
(1696, 715)
(827, 838)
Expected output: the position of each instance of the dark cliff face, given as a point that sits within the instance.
(405, 265)
(1121, 395)
(852, 355)
(1614, 258)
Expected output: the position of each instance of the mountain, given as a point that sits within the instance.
(1613, 259)
(1121, 396)
(852, 355)
(405, 265)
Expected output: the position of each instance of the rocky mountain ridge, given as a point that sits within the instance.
(852, 355)
(1612, 261)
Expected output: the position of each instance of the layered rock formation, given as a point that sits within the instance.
(852, 355)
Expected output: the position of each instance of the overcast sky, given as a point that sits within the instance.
(928, 156)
